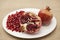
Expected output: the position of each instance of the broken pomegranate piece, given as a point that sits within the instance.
(33, 24)
(32, 28)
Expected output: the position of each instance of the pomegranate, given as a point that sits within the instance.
(33, 24)
(45, 16)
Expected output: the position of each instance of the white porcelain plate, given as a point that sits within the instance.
(44, 30)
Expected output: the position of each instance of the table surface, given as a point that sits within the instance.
(7, 6)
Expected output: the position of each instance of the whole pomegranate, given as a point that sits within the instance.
(45, 16)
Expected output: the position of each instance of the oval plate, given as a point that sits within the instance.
(44, 30)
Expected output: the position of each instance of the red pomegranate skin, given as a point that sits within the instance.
(45, 16)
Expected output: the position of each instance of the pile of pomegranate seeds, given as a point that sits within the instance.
(17, 21)
(13, 22)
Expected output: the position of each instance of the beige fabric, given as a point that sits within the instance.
(7, 6)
